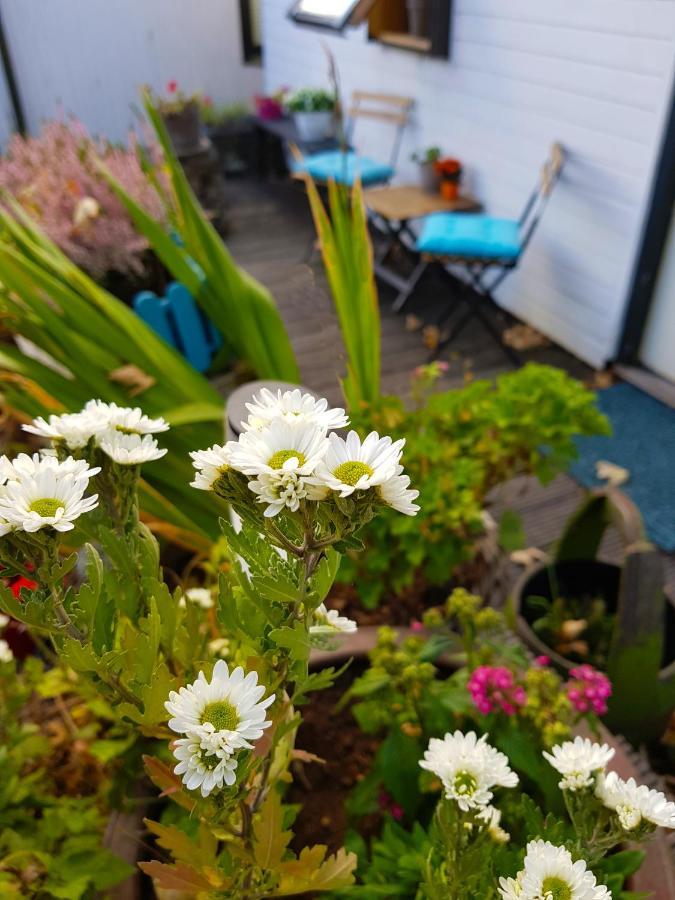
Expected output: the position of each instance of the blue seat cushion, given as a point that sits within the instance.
(344, 167)
(470, 235)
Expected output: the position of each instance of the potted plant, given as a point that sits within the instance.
(426, 160)
(578, 610)
(313, 110)
(230, 129)
(181, 114)
(271, 108)
(450, 172)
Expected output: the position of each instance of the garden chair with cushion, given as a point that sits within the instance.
(343, 166)
(485, 249)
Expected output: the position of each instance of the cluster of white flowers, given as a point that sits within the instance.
(582, 764)
(550, 873)
(291, 453)
(39, 491)
(122, 433)
(218, 719)
(469, 768)
(328, 626)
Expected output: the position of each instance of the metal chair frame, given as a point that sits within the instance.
(384, 107)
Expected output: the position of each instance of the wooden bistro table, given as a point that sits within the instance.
(393, 207)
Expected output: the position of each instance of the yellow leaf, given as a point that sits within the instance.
(162, 776)
(269, 841)
(183, 878)
(312, 871)
(133, 378)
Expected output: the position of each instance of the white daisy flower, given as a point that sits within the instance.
(73, 429)
(291, 405)
(25, 465)
(351, 465)
(4, 620)
(219, 647)
(395, 492)
(130, 449)
(512, 888)
(227, 711)
(492, 818)
(468, 767)
(635, 803)
(329, 621)
(296, 447)
(200, 596)
(6, 654)
(210, 464)
(550, 873)
(47, 499)
(284, 490)
(125, 419)
(579, 762)
(203, 769)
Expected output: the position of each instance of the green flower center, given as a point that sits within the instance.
(465, 783)
(124, 430)
(221, 714)
(46, 507)
(554, 888)
(277, 460)
(210, 761)
(351, 472)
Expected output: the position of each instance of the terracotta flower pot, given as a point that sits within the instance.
(184, 129)
(449, 189)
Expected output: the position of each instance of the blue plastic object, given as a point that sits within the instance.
(470, 236)
(178, 320)
(344, 167)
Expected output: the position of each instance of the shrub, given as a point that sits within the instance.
(311, 100)
(53, 178)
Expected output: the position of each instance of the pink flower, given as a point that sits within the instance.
(172, 87)
(494, 688)
(415, 625)
(396, 812)
(588, 690)
(542, 661)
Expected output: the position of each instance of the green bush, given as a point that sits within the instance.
(311, 100)
(459, 445)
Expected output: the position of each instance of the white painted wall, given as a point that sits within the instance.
(91, 56)
(594, 74)
(658, 340)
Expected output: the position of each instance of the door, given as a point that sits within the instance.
(657, 350)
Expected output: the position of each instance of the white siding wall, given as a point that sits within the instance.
(594, 74)
(91, 56)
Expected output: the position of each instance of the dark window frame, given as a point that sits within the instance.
(252, 52)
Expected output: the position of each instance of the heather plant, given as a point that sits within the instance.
(54, 178)
(299, 494)
(460, 445)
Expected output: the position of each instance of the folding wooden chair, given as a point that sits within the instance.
(486, 249)
(344, 166)
(181, 323)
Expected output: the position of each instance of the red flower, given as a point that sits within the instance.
(22, 582)
(448, 167)
(172, 87)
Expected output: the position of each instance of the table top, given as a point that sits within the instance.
(285, 130)
(409, 201)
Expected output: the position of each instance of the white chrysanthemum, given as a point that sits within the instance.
(351, 465)
(550, 873)
(283, 446)
(49, 498)
(24, 465)
(73, 429)
(200, 596)
(468, 767)
(219, 647)
(130, 449)
(125, 419)
(635, 803)
(291, 405)
(512, 888)
(210, 464)
(6, 654)
(579, 762)
(492, 818)
(330, 622)
(203, 769)
(396, 492)
(227, 710)
(4, 620)
(284, 490)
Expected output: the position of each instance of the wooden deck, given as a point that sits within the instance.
(271, 235)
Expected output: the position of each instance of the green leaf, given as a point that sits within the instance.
(312, 871)
(398, 761)
(511, 531)
(294, 639)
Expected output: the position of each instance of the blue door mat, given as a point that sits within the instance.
(643, 441)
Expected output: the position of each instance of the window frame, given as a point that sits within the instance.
(252, 52)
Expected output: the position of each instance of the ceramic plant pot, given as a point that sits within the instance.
(314, 126)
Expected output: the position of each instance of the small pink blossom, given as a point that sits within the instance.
(416, 625)
(494, 688)
(172, 86)
(588, 690)
(542, 661)
(388, 805)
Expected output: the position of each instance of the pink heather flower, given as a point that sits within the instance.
(415, 625)
(542, 661)
(388, 805)
(396, 812)
(494, 688)
(588, 690)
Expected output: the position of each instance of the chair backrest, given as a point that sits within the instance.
(389, 108)
(177, 318)
(550, 173)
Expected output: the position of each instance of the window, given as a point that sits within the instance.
(419, 25)
(251, 36)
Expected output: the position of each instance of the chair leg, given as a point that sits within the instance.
(513, 357)
(459, 326)
(409, 287)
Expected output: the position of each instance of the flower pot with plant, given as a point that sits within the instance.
(426, 160)
(230, 128)
(577, 611)
(181, 114)
(313, 113)
(450, 173)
